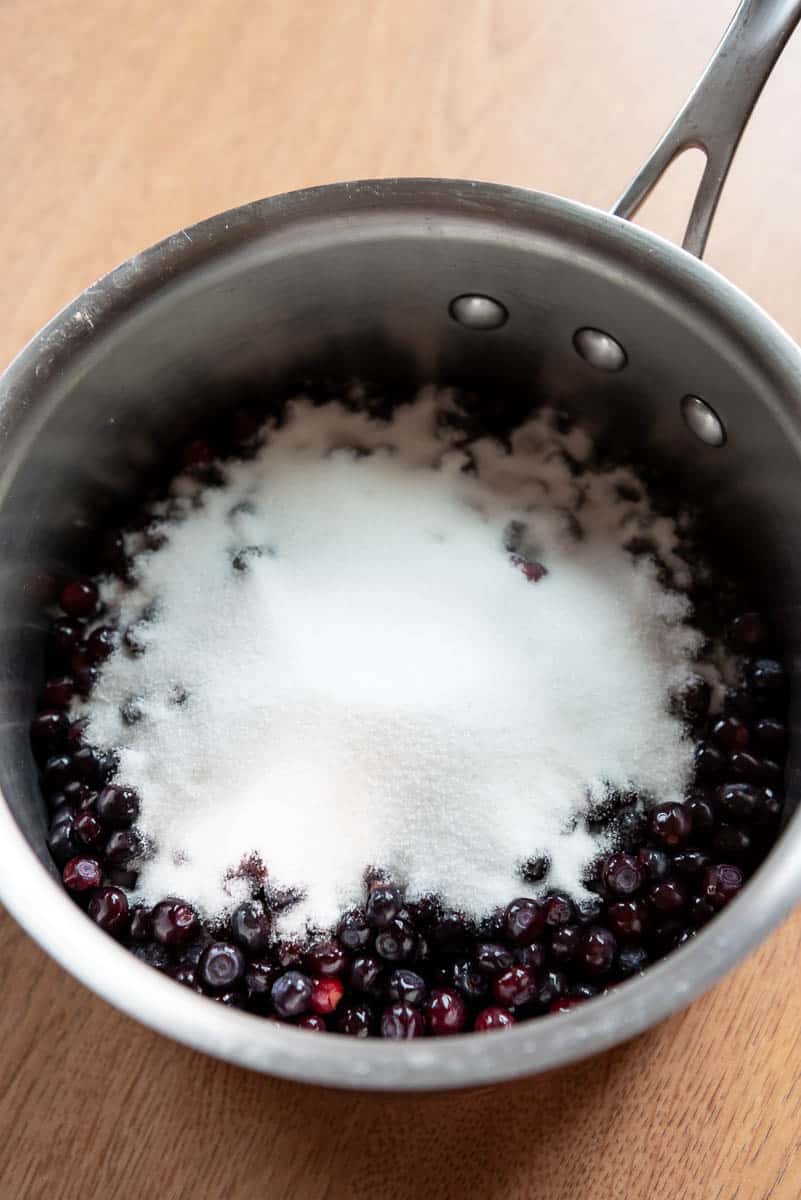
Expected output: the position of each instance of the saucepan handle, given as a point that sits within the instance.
(717, 111)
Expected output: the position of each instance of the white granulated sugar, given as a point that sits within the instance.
(382, 686)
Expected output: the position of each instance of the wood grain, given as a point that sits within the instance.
(125, 119)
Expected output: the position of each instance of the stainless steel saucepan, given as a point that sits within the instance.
(523, 296)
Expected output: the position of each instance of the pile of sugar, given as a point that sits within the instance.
(341, 667)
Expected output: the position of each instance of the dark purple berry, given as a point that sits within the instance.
(353, 931)
(588, 910)
(721, 884)
(766, 675)
(564, 944)
(468, 980)
(732, 844)
(702, 813)
(100, 644)
(690, 862)
(88, 765)
(406, 987)
(531, 956)
(64, 637)
(250, 927)
(291, 994)
(770, 735)
(710, 762)
(491, 1018)
(108, 908)
(492, 959)
(221, 967)
(62, 839)
(396, 941)
(82, 873)
(153, 954)
(596, 950)
(622, 874)
(739, 702)
(117, 807)
(628, 919)
(700, 910)
(89, 829)
(524, 920)
(668, 897)
(313, 1022)
(629, 827)
(49, 732)
(259, 979)
(748, 630)
(185, 975)
(670, 824)
(356, 1019)
(446, 1012)
(731, 733)
(58, 692)
(558, 910)
(655, 864)
(79, 598)
(631, 960)
(365, 974)
(451, 933)
(551, 985)
(515, 987)
(383, 905)
(174, 922)
(123, 846)
(739, 801)
(56, 773)
(326, 959)
(401, 1021)
(743, 765)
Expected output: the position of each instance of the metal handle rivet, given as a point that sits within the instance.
(702, 420)
(478, 312)
(599, 349)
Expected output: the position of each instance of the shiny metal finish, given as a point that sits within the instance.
(356, 280)
(703, 421)
(478, 312)
(599, 349)
(717, 112)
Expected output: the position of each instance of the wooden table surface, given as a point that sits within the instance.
(123, 120)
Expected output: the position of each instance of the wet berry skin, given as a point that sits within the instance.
(628, 919)
(596, 950)
(82, 874)
(721, 884)
(494, 1017)
(524, 920)
(516, 987)
(221, 967)
(631, 960)
(407, 987)
(564, 944)
(355, 1019)
(78, 598)
(710, 762)
(668, 897)
(62, 839)
(326, 959)
(141, 929)
(123, 846)
(446, 1012)
(89, 829)
(291, 994)
(656, 864)
(173, 922)
(396, 941)
(401, 1021)
(365, 973)
(100, 644)
(383, 905)
(468, 980)
(670, 824)
(326, 995)
(353, 931)
(313, 1022)
(623, 874)
(49, 731)
(117, 807)
(558, 910)
(108, 908)
(250, 928)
